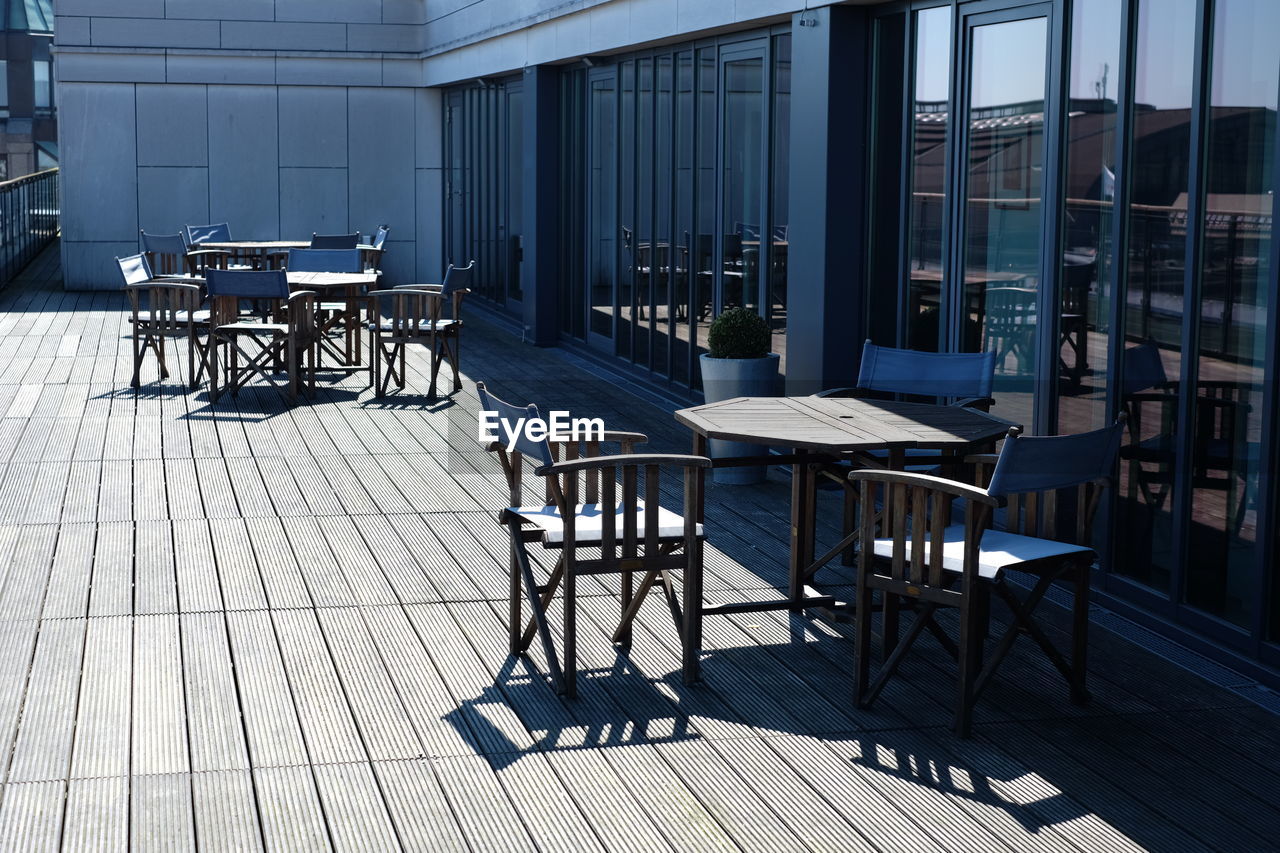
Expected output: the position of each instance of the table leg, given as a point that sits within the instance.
(802, 528)
(700, 475)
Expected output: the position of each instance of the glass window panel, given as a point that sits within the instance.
(1002, 218)
(928, 175)
(626, 204)
(683, 270)
(572, 219)
(513, 172)
(741, 205)
(660, 254)
(43, 84)
(4, 88)
(780, 197)
(602, 214)
(705, 215)
(1233, 304)
(1154, 281)
(1085, 300)
(643, 257)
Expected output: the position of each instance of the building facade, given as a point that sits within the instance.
(28, 116)
(1084, 186)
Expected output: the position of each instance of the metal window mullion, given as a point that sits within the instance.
(1052, 195)
(1183, 484)
(906, 179)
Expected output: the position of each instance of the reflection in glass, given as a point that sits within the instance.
(660, 253)
(602, 209)
(682, 256)
(1085, 303)
(626, 205)
(1002, 231)
(705, 200)
(514, 203)
(643, 240)
(928, 175)
(1154, 281)
(573, 129)
(742, 193)
(780, 197)
(1233, 305)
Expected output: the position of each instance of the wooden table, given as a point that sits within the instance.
(259, 249)
(820, 430)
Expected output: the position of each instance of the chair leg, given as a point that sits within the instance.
(569, 638)
(970, 650)
(515, 643)
(139, 350)
(861, 641)
(164, 367)
(376, 357)
(691, 635)
(453, 362)
(213, 369)
(850, 522)
(1080, 636)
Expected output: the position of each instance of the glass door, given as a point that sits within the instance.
(602, 208)
(743, 176)
(999, 282)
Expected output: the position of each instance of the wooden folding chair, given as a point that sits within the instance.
(169, 255)
(974, 560)
(619, 533)
(285, 331)
(163, 309)
(335, 320)
(426, 314)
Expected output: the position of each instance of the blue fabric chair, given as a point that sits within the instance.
(219, 232)
(426, 314)
(169, 254)
(618, 533)
(161, 310)
(285, 333)
(324, 260)
(903, 561)
(335, 241)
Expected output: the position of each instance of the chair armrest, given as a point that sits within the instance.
(300, 309)
(166, 283)
(981, 459)
(622, 460)
(981, 403)
(928, 481)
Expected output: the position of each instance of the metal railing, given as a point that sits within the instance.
(29, 220)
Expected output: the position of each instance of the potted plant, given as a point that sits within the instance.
(738, 364)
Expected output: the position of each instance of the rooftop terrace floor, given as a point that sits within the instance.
(249, 625)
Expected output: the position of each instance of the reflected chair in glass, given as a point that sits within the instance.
(169, 255)
(1222, 455)
(1009, 326)
(942, 378)
(428, 315)
(284, 333)
(335, 241)
(161, 309)
(335, 318)
(601, 515)
(897, 557)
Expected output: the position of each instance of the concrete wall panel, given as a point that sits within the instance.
(239, 10)
(172, 126)
(313, 201)
(244, 155)
(381, 130)
(313, 126)
(169, 198)
(99, 156)
(431, 255)
(92, 266)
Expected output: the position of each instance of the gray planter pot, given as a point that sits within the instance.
(724, 379)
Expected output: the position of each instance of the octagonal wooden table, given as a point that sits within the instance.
(821, 430)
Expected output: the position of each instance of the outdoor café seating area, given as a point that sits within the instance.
(237, 622)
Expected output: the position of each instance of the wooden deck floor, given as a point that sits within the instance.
(246, 626)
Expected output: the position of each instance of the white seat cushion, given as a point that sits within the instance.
(254, 327)
(589, 525)
(388, 326)
(1000, 550)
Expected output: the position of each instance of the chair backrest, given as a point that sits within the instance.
(168, 251)
(508, 421)
(926, 374)
(380, 236)
(1032, 470)
(335, 241)
(457, 278)
(324, 260)
(1010, 308)
(135, 269)
(218, 232)
(1143, 368)
(248, 284)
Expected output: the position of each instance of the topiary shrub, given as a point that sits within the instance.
(738, 333)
